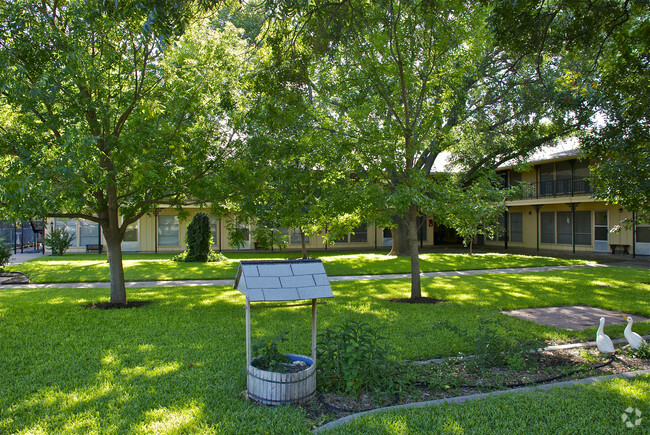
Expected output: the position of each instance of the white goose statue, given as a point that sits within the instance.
(603, 341)
(635, 340)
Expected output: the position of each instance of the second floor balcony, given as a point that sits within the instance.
(558, 188)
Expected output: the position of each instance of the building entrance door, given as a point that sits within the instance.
(601, 231)
(643, 239)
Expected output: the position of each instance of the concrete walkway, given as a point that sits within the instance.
(20, 258)
(230, 282)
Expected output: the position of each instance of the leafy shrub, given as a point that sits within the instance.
(58, 240)
(496, 345)
(213, 257)
(5, 254)
(353, 357)
(268, 238)
(268, 357)
(198, 238)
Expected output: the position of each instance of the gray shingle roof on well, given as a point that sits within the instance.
(283, 280)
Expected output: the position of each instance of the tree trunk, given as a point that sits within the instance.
(303, 245)
(114, 235)
(114, 245)
(412, 231)
(401, 246)
(406, 245)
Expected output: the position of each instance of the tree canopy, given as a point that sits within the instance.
(112, 113)
(608, 43)
(405, 83)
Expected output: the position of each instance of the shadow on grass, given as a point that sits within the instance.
(177, 365)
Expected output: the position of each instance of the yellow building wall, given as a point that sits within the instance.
(530, 226)
(147, 235)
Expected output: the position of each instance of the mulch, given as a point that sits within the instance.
(113, 306)
(13, 278)
(421, 300)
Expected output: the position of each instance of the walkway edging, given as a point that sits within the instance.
(335, 278)
(479, 396)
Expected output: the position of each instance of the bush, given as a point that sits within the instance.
(58, 240)
(213, 257)
(353, 357)
(5, 254)
(198, 238)
(496, 345)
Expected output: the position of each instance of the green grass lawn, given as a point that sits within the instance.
(178, 364)
(587, 409)
(140, 267)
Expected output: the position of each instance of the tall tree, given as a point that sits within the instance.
(619, 146)
(113, 112)
(609, 42)
(406, 82)
(305, 175)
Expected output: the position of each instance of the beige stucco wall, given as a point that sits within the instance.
(530, 226)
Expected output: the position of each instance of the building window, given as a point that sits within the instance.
(547, 226)
(564, 228)
(131, 233)
(583, 228)
(70, 225)
(581, 177)
(88, 233)
(563, 177)
(515, 178)
(500, 233)
(295, 237)
(214, 228)
(546, 180)
(360, 234)
(516, 227)
(168, 229)
(643, 234)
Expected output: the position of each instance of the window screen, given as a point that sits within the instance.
(547, 224)
(168, 230)
(70, 225)
(360, 234)
(516, 227)
(564, 228)
(88, 233)
(583, 228)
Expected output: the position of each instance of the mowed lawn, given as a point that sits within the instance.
(139, 267)
(178, 364)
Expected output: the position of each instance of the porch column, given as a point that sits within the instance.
(573, 206)
(537, 208)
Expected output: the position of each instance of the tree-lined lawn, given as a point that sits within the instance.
(177, 365)
(142, 267)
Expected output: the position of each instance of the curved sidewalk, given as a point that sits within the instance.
(230, 282)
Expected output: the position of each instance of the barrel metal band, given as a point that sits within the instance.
(261, 399)
(283, 382)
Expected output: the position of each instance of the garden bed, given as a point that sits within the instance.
(13, 278)
(424, 381)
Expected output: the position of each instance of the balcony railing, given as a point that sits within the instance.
(558, 188)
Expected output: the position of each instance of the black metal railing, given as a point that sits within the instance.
(558, 188)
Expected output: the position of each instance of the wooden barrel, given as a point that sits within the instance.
(272, 388)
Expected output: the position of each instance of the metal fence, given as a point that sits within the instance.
(22, 236)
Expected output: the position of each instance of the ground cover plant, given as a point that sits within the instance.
(141, 267)
(177, 364)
